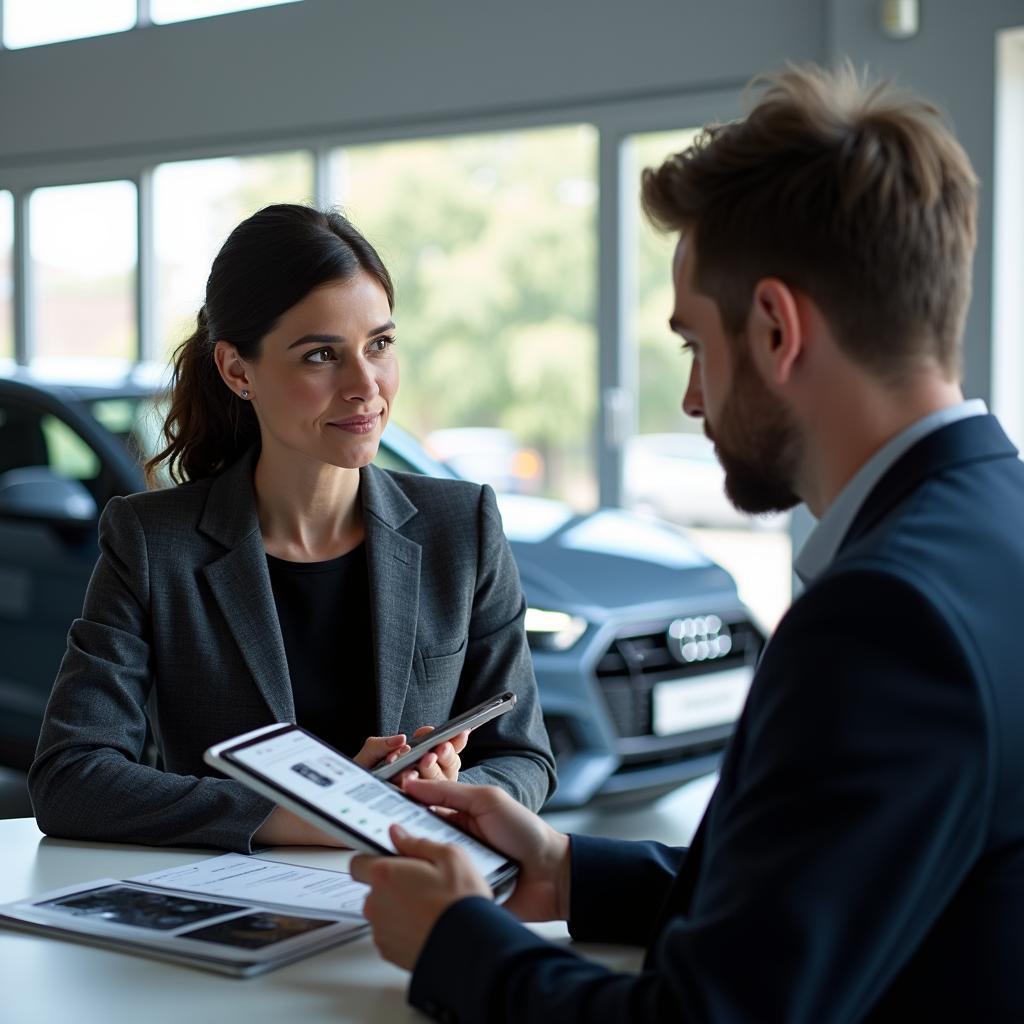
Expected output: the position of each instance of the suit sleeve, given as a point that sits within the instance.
(511, 751)
(87, 781)
(857, 806)
(619, 887)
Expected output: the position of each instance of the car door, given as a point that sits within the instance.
(45, 563)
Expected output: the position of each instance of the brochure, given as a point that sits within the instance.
(235, 914)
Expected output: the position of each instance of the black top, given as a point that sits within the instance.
(324, 611)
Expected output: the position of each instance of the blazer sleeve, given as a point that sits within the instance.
(858, 806)
(87, 781)
(619, 887)
(511, 751)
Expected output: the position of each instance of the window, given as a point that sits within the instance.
(83, 240)
(6, 276)
(663, 368)
(1008, 319)
(491, 240)
(137, 422)
(196, 204)
(33, 22)
(70, 456)
(32, 437)
(671, 470)
(164, 11)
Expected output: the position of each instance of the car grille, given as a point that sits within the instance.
(633, 664)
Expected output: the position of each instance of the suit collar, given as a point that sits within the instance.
(240, 582)
(969, 440)
(393, 563)
(241, 586)
(383, 499)
(229, 516)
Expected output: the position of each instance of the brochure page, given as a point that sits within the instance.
(225, 925)
(265, 881)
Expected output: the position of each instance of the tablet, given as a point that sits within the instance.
(292, 767)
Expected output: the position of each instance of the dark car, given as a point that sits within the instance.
(642, 648)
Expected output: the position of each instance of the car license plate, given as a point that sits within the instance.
(682, 705)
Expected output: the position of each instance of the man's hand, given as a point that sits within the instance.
(378, 749)
(411, 891)
(490, 814)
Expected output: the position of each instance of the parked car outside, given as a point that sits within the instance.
(642, 648)
(678, 477)
(488, 455)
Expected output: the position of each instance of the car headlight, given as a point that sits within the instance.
(553, 631)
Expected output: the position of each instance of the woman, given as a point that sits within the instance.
(285, 578)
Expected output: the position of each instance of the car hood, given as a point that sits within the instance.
(606, 560)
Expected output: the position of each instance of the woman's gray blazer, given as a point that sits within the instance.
(179, 624)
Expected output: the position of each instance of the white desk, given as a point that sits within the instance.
(46, 981)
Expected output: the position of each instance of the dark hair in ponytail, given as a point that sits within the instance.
(271, 261)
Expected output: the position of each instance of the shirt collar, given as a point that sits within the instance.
(823, 543)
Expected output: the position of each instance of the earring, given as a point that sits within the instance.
(245, 394)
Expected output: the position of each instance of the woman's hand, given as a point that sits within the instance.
(440, 763)
(381, 748)
(282, 828)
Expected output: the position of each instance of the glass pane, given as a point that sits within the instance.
(164, 11)
(83, 270)
(32, 22)
(388, 458)
(70, 456)
(6, 275)
(135, 421)
(670, 468)
(491, 240)
(1007, 377)
(196, 204)
(663, 368)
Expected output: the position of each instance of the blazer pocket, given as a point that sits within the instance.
(438, 667)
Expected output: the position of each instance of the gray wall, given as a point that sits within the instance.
(326, 68)
(952, 62)
(328, 65)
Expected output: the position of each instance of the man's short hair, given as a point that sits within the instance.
(851, 192)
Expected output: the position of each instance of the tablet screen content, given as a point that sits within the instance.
(307, 769)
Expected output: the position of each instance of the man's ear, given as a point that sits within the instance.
(775, 330)
(232, 368)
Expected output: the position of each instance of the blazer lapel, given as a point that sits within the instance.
(240, 582)
(393, 565)
(967, 440)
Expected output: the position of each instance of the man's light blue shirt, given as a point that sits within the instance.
(823, 543)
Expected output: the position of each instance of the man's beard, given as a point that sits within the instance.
(757, 443)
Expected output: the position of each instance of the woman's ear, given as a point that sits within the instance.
(775, 330)
(233, 369)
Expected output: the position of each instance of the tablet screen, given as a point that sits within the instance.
(307, 769)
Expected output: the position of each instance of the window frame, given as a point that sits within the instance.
(617, 213)
(143, 19)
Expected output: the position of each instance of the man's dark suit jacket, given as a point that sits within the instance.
(863, 856)
(180, 622)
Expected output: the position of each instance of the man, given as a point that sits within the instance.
(863, 855)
